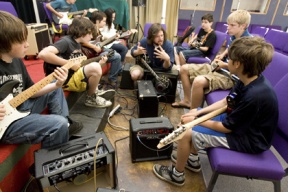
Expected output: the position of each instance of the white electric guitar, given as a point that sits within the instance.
(66, 19)
(11, 103)
(180, 132)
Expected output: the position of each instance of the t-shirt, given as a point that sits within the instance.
(254, 119)
(62, 5)
(156, 62)
(209, 42)
(15, 71)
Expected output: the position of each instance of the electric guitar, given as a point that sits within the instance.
(11, 103)
(66, 19)
(162, 83)
(49, 68)
(180, 132)
(89, 52)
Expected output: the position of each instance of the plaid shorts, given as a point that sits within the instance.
(216, 80)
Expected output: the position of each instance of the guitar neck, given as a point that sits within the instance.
(149, 68)
(96, 59)
(21, 97)
(75, 13)
(107, 41)
(180, 132)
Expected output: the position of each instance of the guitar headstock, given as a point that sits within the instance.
(91, 10)
(75, 58)
(174, 136)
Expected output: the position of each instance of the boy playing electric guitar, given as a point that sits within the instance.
(249, 124)
(51, 129)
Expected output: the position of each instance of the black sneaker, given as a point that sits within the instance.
(166, 174)
(74, 127)
(106, 94)
(194, 166)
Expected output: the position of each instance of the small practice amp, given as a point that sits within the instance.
(167, 96)
(38, 37)
(147, 99)
(126, 81)
(74, 158)
(145, 134)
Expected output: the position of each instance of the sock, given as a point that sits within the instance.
(193, 157)
(177, 173)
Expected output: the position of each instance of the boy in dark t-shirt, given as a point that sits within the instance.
(200, 45)
(49, 130)
(249, 122)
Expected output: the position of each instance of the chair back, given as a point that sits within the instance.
(260, 31)
(147, 26)
(280, 141)
(277, 38)
(8, 7)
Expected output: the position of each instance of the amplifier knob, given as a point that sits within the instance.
(66, 162)
(59, 164)
(79, 158)
(91, 153)
(51, 167)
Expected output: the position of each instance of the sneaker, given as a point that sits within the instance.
(166, 174)
(74, 127)
(110, 85)
(106, 94)
(97, 101)
(194, 166)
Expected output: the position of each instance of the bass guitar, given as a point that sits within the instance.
(66, 19)
(180, 132)
(11, 103)
(162, 83)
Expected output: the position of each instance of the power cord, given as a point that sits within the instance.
(116, 110)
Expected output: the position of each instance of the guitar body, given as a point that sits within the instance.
(11, 114)
(89, 53)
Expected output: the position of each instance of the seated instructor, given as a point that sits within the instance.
(156, 48)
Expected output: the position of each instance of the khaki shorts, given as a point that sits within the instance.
(77, 82)
(137, 67)
(216, 80)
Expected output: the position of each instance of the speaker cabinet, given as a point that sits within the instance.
(147, 99)
(145, 134)
(126, 81)
(168, 96)
(38, 37)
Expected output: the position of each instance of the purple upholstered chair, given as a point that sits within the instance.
(221, 26)
(260, 31)
(58, 29)
(264, 166)
(220, 38)
(147, 26)
(277, 38)
(182, 25)
(8, 7)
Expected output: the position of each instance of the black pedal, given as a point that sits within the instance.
(145, 134)
(147, 99)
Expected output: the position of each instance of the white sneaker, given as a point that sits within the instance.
(97, 101)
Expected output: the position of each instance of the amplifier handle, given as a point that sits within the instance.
(69, 146)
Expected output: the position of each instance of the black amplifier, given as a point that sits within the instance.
(74, 158)
(147, 99)
(145, 134)
(167, 96)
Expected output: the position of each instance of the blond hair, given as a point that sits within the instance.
(240, 17)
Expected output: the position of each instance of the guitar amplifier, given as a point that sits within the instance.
(147, 99)
(38, 37)
(167, 96)
(76, 157)
(145, 134)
